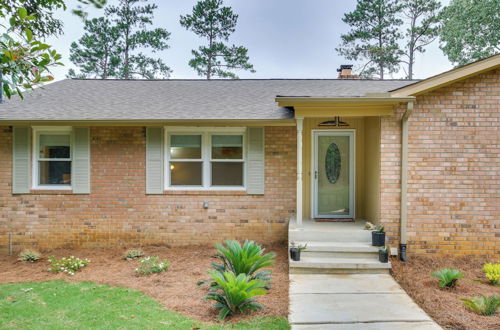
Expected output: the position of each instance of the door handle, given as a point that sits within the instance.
(315, 174)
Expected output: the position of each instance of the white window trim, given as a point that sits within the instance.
(37, 130)
(206, 159)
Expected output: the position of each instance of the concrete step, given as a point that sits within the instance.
(338, 236)
(314, 265)
(349, 250)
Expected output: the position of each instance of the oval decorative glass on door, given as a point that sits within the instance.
(332, 163)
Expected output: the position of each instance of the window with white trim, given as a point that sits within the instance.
(205, 158)
(52, 157)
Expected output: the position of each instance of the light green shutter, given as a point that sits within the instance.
(80, 173)
(21, 160)
(255, 161)
(154, 160)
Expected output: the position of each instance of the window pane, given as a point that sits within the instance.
(185, 146)
(54, 172)
(54, 146)
(227, 174)
(185, 173)
(227, 147)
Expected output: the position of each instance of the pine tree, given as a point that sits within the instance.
(216, 23)
(374, 36)
(131, 21)
(96, 53)
(423, 19)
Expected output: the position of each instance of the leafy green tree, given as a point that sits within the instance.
(131, 21)
(374, 36)
(423, 19)
(25, 61)
(96, 53)
(43, 24)
(80, 11)
(216, 23)
(470, 30)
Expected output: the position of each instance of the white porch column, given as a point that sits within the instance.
(300, 124)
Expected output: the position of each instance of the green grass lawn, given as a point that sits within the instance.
(63, 305)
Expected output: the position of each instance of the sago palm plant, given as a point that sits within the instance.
(483, 305)
(247, 259)
(447, 277)
(235, 294)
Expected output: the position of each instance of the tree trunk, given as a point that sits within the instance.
(126, 68)
(105, 70)
(411, 47)
(380, 44)
(410, 64)
(209, 64)
(209, 67)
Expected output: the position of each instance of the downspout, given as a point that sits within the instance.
(404, 182)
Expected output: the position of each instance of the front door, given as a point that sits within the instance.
(333, 174)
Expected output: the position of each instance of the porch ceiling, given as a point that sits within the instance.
(314, 107)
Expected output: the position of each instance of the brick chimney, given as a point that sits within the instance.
(345, 72)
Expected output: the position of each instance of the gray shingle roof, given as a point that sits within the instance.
(75, 99)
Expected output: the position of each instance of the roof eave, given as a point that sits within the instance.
(448, 77)
(147, 122)
(291, 101)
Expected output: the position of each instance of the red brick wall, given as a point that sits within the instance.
(454, 170)
(117, 212)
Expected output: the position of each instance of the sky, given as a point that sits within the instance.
(285, 38)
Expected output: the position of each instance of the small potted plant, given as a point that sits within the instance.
(383, 254)
(295, 251)
(378, 236)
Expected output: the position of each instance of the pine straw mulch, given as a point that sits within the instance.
(444, 305)
(175, 288)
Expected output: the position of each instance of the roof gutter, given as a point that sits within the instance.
(404, 182)
(151, 122)
(290, 101)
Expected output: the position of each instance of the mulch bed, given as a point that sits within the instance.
(444, 305)
(175, 288)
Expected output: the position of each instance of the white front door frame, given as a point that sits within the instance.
(351, 133)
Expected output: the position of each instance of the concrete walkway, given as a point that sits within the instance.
(353, 301)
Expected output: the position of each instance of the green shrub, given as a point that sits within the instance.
(379, 229)
(67, 265)
(29, 255)
(447, 277)
(235, 293)
(492, 272)
(150, 265)
(133, 254)
(246, 259)
(300, 247)
(483, 305)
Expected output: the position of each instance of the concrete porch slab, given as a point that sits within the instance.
(371, 326)
(353, 301)
(354, 307)
(343, 283)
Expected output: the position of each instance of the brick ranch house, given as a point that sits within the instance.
(106, 162)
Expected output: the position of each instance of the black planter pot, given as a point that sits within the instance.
(295, 254)
(378, 238)
(383, 256)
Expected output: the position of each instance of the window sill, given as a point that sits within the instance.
(51, 191)
(207, 192)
